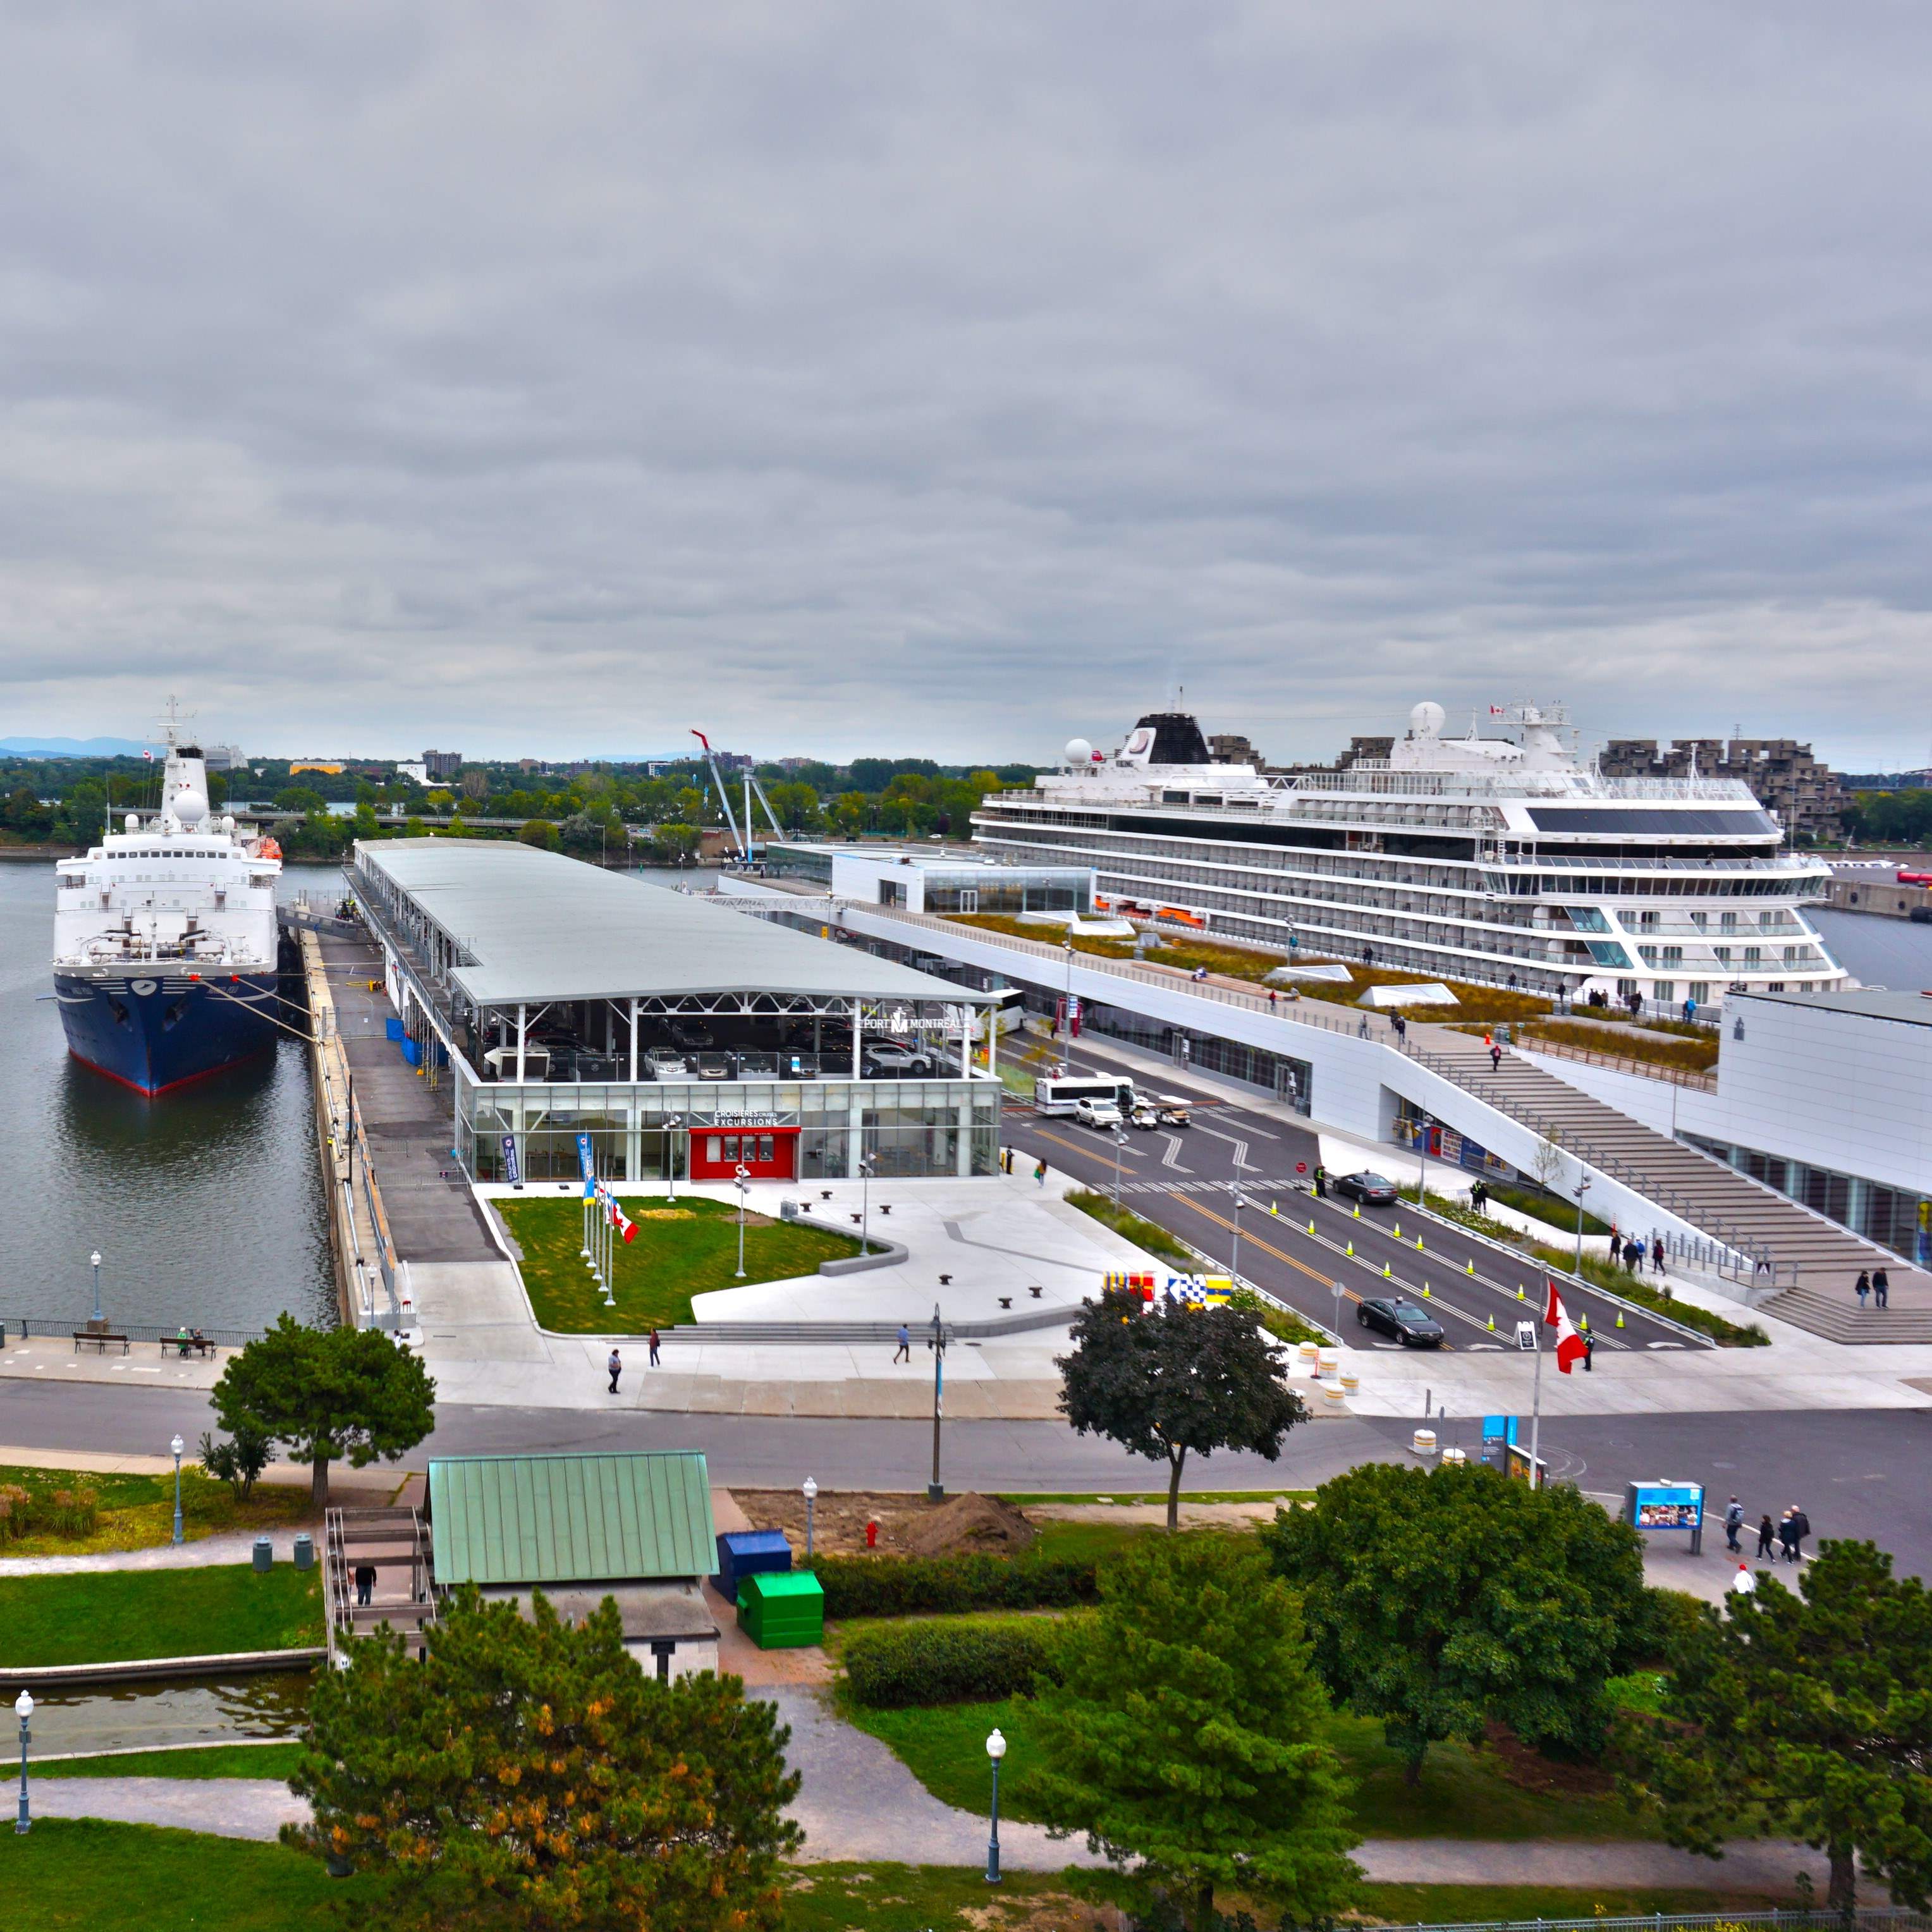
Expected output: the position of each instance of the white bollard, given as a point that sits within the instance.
(1423, 1442)
(1352, 1383)
(1308, 1354)
(1331, 1394)
(1331, 1361)
(1453, 1457)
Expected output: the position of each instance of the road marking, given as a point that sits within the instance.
(1172, 1156)
(1235, 1140)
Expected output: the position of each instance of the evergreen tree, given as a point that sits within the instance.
(1171, 1380)
(1439, 1599)
(1186, 1739)
(1808, 1716)
(528, 1773)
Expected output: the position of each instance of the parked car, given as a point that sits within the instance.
(669, 1066)
(1413, 1327)
(1372, 1190)
(757, 1067)
(713, 1066)
(691, 1035)
(891, 1056)
(1101, 1115)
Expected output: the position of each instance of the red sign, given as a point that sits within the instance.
(1301, 1167)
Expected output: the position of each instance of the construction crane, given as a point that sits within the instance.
(742, 840)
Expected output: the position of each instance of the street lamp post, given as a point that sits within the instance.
(99, 1318)
(1422, 1185)
(1234, 1188)
(935, 1490)
(1120, 1142)
(810, 1497)
(671, 1126)
(866, 1165)
(1582, 1188)
(1338, 1311)
(177, 1445)
(1526, 1338)
(1066, 1005)
(996, 1749)
(23, 1708)
(744, 1175)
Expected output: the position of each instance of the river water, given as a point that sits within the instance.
(206, 1205)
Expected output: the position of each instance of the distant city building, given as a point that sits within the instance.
(223, 758)
(1783, 775)
(1856, 781)
(443, 764)
(413, 768)
(526, 764)
(1229, 749)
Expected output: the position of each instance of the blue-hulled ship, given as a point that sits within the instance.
(165, 940)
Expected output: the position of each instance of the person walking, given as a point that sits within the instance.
(1787, 1537)
(1881, 1288)
(904, 1354)
(1401, 1026)
(1734, 1521)
(1321, 1182)
(1495, 1057)
(365, 1584)
(1589, 1353)
(1039, 1172)
(1861, 1287)
(654, 1349)
(1479, 1196)
(1657, 1255)
(616, 1366)
(1633, 1254)
(1766, 1548)
(1273, 999)
(1801, 1528)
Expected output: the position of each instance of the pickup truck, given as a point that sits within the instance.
(1099, 1115)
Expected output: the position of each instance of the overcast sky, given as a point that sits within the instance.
(551, 378)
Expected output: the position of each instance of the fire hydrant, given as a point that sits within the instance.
(872, 1533)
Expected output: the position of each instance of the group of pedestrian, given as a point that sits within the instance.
(615, 1363)
(1781, 1542)
(1877, 1283)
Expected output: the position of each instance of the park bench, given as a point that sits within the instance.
(98, 1340)
(185, 1345)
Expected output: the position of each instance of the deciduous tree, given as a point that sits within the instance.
(528, 1773)
(1438, 1600)
(1805, 1716)
(1186, 1738)
(1165, 1383)
(336, 1395)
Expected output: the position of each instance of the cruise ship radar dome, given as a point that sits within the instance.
(1426, 720)
(1078, 751)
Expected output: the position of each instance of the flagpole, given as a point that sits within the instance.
(1536, 1417)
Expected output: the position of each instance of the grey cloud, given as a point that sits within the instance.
(852, 377)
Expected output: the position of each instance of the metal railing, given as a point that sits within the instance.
(1621, 1063)
(61, 1327)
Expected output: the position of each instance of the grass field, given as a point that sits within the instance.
(1149, 1236)
(1463, 1794)
(263, 1760)
(682, 1248)
(73, 1875)
(137, 1512)
(107, 1616)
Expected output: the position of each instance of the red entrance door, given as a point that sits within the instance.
(770, 1154)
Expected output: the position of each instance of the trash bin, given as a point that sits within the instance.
(782, 1610)
(265, 1554)
(749, 1553)
(304, 1551)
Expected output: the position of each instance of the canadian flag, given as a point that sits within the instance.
(625, 1227)
(1569, 1344)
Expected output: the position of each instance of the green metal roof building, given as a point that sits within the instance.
(636, 1526)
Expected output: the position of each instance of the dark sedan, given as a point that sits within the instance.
(1372, 1190)
(1414, 1328)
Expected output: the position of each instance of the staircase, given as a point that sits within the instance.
(1814, 1260)
(397, 1542)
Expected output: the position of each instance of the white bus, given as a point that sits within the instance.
(1062, 1093)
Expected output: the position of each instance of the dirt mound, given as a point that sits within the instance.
(971, 1523)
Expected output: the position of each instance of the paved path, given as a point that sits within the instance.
(231, 1807)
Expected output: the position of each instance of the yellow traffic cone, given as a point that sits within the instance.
(1620, 1318)
(1492, 1324)
(1418, 1244)
(1274, 1207)
(1385, 1271)
(1425, 1290)
(1470, 1269)
(1518, 1291)
(1311, 1224)
(1352, 1247)
(1583, 1323)
(1358, 1210)
(1398, 1231)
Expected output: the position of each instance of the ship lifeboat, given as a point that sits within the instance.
(266, 848)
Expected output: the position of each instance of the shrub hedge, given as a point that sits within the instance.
(898, 1586)
(948, 1663)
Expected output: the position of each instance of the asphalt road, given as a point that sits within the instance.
(1856, 1473)
(1183, 1180)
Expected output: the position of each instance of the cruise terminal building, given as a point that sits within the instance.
(557, 1000)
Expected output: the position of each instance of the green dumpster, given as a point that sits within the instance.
(780, 1609)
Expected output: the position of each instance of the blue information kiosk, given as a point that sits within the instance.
(1676, 1509)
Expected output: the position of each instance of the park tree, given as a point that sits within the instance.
(527, 1773)
(1439, 1599)
(1172, 1381)
(539, 832)
(1186, 1736)
(1805, 1716)
(329, 1396)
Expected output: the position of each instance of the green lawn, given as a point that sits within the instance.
(1463, 1794)
(116, 1614)
(1148, 1236)
(682, 1248)
(1461, 1904)
(263, 1760)
(75, 1875)
(137, 1512)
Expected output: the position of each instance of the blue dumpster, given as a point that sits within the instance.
(749, 1553)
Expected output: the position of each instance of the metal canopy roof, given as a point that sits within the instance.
(570, 1519)
(538, 926)
(1871, 1003)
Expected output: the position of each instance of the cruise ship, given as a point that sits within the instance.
(1497, 857)
(165, 940)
